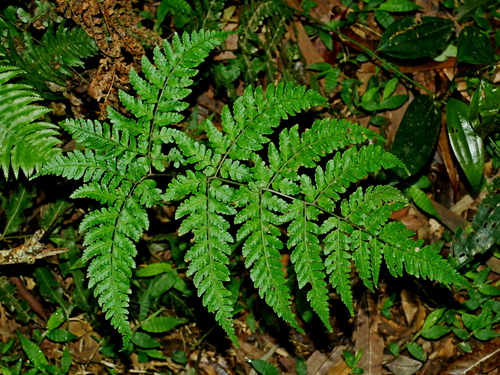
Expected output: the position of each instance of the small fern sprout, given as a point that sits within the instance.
(239, 185)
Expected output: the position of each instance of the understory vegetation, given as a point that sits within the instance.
(258, 186)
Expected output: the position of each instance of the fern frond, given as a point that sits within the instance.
(51, 59)
(261, 248)
(303, 236)
(338, 258)
(210, 255)
(347, 168)
(102, 137)
(25, 143)
(400, 252)
(109, 242)
(255, 115)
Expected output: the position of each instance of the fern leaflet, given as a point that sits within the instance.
(26, 143)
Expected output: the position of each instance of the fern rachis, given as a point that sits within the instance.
(239, 179)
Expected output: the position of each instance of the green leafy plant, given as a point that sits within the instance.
(51, 59)
(244, 183)
(26, 142)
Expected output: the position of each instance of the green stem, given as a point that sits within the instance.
(385, 64)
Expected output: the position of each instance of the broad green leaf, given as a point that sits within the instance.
(489, 290)
(161, 324)
(469, 7)
(483, 233)
(399, 6)
(263, 367)
(467, 146)
(394, 348)
(66, 361)
(462, 334)
(320, 66)
(417, 133)
(389, 88)
(33, 351)
(300, 366)
(144, 340)
(433, 318)
(394, 102)
(153, 353)
(486, 334)
(384, 18)
(410, 38)
(9, 299)
(154, 269)
(474, 47)
(416, 351)
(57, 318)
(436, 332)
(423, 201)
(49, 287)
(60, 335)
(484, 108)
(18, 202)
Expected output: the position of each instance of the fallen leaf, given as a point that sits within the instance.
(484, 359)
(404, 366)
(368, 338)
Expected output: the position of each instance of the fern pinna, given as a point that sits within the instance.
(240, 186)
(26, 143)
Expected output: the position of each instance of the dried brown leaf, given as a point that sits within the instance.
(484, 359)
(368, 338)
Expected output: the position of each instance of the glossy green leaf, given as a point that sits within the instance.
(394, 348)
(469, 7)
(462, 334)
(263, 367)
(384, 18)
(410, 38)
(433, 318)
(8, 296)
(474, 47)
(60, 335)
(484, 108)
(390, 87)
(153, 353)
(300, 366)
(144, 340)
(486, 334)
(423, 201)
(483, 233)
(436, 332)
(489, 290)
(399, 6)
(467, 146)
(49, 287)
(161, 324)
(417, 133)
(66, 361)
(416, 351)
(56, 319)
(394, 102)
(319, 66)
(154, 269)
(33, 351)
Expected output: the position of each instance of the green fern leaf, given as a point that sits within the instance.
(210, 255)
(25, 143)
(256, 115)
(338, 258)
(51, 59)
(117, 166)
(306, 257)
